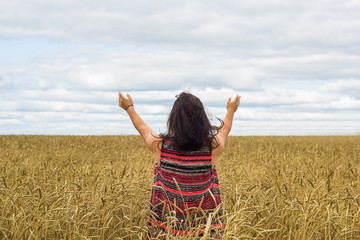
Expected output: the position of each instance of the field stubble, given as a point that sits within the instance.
(98, 187)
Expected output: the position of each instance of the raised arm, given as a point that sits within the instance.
(149, 137)
(221, 136)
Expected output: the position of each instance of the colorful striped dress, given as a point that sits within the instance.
(185, 195)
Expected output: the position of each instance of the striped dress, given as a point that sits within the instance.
(185, 195)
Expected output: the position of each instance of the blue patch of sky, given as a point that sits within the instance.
(306, 85)
(22, 49)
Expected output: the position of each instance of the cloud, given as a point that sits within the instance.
(54, 111)
(345, 86)
(295, 64)
(129, 70)
(346, 103)
(226, 24)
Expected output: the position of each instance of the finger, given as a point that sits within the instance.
(235, 99)
(229, 100)
(121, 96)
(128, 96)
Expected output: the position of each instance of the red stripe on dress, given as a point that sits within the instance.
(185, 180)
(184, 160)
(180, 178)
(186, 183)
(157, 183)
(161, 197)
(186, 154)
(185, 157)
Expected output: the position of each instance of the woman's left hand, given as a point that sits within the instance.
(124, 102)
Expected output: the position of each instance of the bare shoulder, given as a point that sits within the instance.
(154, 140)
(219, 144)
(155, 145)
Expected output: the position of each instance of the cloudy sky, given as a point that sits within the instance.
(296, 64)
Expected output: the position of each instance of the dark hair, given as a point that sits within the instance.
(189, 128)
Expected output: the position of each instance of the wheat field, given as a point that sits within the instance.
(98, 187)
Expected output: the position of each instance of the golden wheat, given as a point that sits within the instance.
(98, 187)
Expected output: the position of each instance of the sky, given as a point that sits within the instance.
(296, 64)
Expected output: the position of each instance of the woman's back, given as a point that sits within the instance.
(186, 188)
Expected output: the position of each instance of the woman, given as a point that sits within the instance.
(185, 196)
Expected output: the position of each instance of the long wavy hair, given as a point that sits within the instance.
(189, 127)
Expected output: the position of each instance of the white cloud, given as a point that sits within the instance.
(296, 127)
(135, 70)
(78, 109)
(228, 24)
(294, 62)
(342, 85)
(346, 103)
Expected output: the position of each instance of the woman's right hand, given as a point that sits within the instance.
(233, 105)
